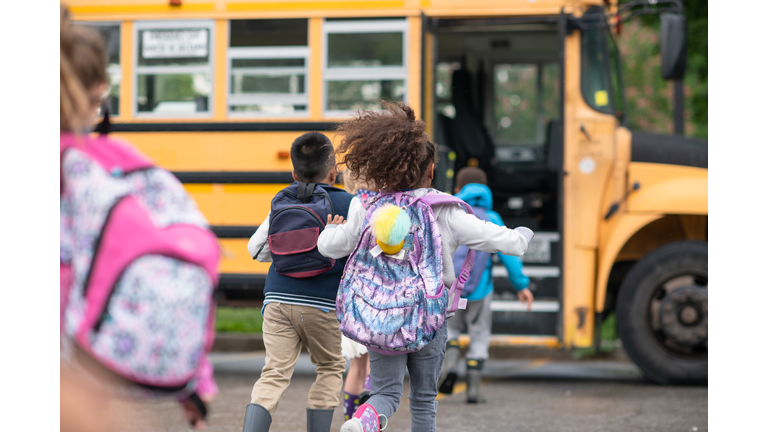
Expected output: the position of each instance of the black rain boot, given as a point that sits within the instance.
(450, 367)
(474, 376)
(319, 420)
(257, 418)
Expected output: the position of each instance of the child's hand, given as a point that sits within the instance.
(526, 297)
(337, 220)
(525, 232)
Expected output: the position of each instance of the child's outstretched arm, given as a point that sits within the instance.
(484, 236)
(339, 239)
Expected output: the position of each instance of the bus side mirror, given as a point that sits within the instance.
(673, 46)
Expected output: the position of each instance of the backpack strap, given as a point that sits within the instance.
(305, 191)
(116, 157)
(466, 266)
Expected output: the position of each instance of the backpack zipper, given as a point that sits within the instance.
(323, 194)
(107, 301)
(316, 216)
(97, 243)
(319, 219)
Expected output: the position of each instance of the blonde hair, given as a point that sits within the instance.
(352, 185)
(349, 184)
(82, 66)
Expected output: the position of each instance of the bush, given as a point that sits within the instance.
(246, 320)
(608, 340)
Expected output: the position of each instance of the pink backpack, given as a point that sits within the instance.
(138, 266)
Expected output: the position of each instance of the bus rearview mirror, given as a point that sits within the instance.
(673, 46)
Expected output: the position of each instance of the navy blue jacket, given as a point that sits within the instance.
(318, 291)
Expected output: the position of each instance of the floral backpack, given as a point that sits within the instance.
(392, 298)
(138, 266)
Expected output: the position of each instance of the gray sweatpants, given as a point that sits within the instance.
(477, 318)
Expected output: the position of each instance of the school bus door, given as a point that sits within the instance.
(492, 98)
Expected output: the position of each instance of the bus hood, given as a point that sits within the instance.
(668, 149)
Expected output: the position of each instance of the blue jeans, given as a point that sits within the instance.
(388, 371)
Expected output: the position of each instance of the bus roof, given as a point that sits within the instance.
(99, 10)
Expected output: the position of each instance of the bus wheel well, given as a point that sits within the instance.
(668, 229)
(615, 279)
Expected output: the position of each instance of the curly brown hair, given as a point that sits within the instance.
(390, 149)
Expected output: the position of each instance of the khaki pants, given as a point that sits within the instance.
(285, 328)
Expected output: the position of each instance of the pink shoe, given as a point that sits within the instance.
(365, 420)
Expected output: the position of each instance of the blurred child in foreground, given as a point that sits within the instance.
(83, 82)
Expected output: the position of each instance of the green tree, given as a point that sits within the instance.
(649, 97)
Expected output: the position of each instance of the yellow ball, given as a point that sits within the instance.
(390, 249)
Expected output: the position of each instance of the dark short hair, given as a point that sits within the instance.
(469, 175)
(311, 155)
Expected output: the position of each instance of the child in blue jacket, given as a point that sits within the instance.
(471, 188)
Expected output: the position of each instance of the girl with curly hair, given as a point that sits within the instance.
(392, 150)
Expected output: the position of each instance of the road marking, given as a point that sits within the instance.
(462, 387)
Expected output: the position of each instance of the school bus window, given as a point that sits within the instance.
(595, 64)
(111, 34)
(365, 61)
(173, 68)
(617, 80)
(526, 100)
(268, 64)
(365, 50)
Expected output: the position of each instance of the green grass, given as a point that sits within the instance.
(245, 320)
(608, 338)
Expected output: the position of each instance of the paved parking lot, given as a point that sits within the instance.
(522, 395)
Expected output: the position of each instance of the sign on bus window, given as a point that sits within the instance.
(174, 43)
(174, 73)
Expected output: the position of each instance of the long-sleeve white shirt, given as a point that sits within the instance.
(457, 227)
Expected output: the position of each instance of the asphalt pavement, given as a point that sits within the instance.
(521, 395)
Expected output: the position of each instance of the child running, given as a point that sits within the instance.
(300, 290)
(392, 150)
(471, 187)
(357, 387)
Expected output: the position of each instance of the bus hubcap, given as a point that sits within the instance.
(683, 315)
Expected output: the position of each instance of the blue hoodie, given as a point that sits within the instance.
(478, 195)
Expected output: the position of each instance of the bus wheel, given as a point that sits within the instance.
(662, 313)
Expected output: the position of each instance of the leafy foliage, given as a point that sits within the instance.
(246, 320)
(649, 97)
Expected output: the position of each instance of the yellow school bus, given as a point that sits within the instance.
(529, 90)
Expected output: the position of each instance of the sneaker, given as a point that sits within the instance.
(365, 420)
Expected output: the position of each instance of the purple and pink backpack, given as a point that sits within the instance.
(138, 266)
(395, 303)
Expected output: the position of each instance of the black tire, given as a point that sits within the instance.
(661, 359)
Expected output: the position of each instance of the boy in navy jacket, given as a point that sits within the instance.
(301, 310)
